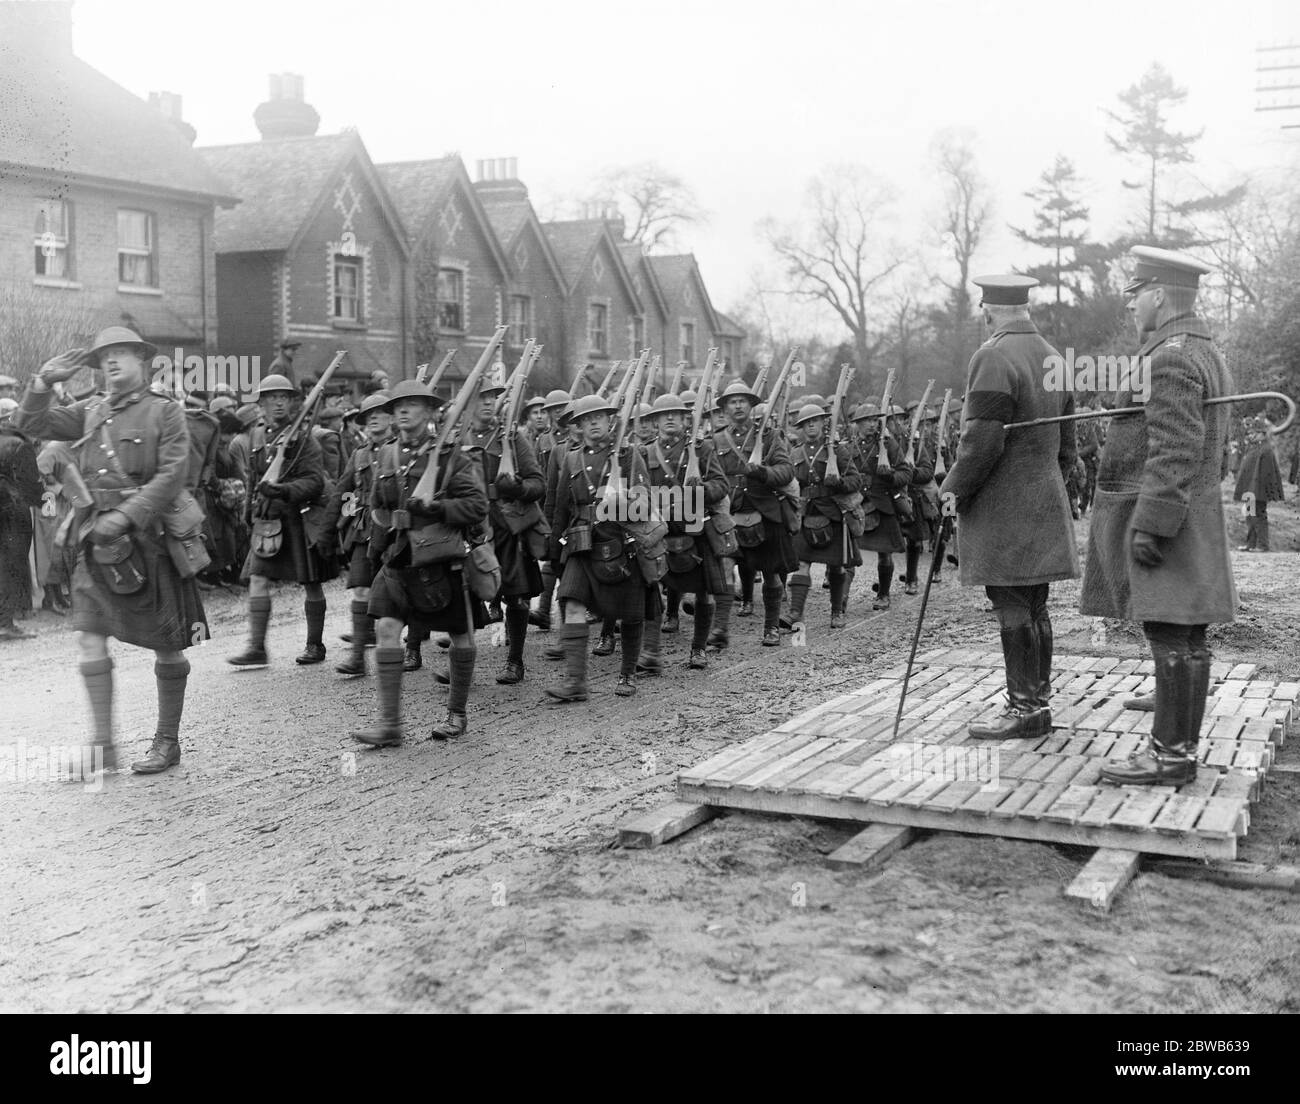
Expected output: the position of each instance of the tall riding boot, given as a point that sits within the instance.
(388, 689)
(650, 662)
(720, 637)
(314, 652)
(460, 667)
(772, 615)
(574, 638)
(839, 587)
(259, 615)
(884, 576)
(363, 633)
(166, 749)
(516, 633)
(1020, 718)
(700, 637)
(1169, 759)
(1043, 699)
(633, 636)
(97, 674)
(913, 558)
(798, 588)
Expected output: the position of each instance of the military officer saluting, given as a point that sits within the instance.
(1158, 545)
(1008, 489)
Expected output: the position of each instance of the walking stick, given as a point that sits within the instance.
(1126, 410)
(945, 531)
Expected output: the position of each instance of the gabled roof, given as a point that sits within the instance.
(677, 272)
(510, 216)
(635, 259)
(576, 242)
(282, 183)
(419, 189)
(63, 118)
(728, 326)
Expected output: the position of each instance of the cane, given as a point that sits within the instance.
(1126, 410)
(936, 560)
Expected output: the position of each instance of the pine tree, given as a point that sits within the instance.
(1060, 225)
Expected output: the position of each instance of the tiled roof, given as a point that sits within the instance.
(728, 326)
(634, 258)
(674, 272)
(573, 243)
(61, 116)
(507, 214)
(415, 187)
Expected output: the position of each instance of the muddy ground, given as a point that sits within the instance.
(279, 869)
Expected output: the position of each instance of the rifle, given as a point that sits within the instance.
(441, 370)
(882, 456)
(782, 381)
(677, 377)
(507, 396)
(508, 459)
(577, 379)
(915, 427)
(698, 416)
(428, 485)
(604, 384)
(420, 370)
(624, 385)
(655, 367)
(761, 379)
(275, 470)
(940, 468)
(615, 483)
(837, 408)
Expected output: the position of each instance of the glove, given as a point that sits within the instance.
(833, 483)
(509, 486)
(109, 526)
(273, 490)
(1146, 549)
(756, 471)
(434, 511)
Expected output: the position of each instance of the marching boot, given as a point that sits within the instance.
(574, 639)
(1043, 699)
(166, 749)
(314, 652)
(649, 662)
(541, 616)
(913, 558)
(97, 674)
(1169, 759)
(772, 615)
(798, 588)
(633, 635)
(839, 588)
(254, 654)
(363, 633)
(746, 593)
(885, 576)
(388, 685)
(672, 623)
(460, 663)
(412, 660)
(1020, 718)
(516, 632)
(700, 637)
(720, 637)
(605, 645)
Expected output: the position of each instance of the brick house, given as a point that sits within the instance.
(653, 322)
(729, 338)
(459, 269)
(691, 325)
(316, 252)
(106, 212)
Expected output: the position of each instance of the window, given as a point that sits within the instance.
(451, 299)
(347, 289)
(53, 239)
(728, 352)
(638, 336)
(521, 319)
(688, 342)
(136, 263)
(597, 327)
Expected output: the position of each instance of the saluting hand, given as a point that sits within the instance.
(1146, 549)
(62, 367)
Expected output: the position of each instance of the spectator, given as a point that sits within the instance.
(20, 489)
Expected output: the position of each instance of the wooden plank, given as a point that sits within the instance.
(659, 825)
(1103, 877)
(1066, 769)
(1104, 803)
(985, 801)
(1043, 800)
(1011, 805)
(871, 847)
(1141, 808)
(1180, 814)
(1238, 874)
(1237, 786)
(747, 765)
(1240, 671)
(786, 765)
(1070, 805)
(735, 753)
(955, 795)
(928, 788)
(1219, 817)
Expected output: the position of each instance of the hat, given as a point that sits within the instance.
(248, 414)
(377, 401)
(534, 403)
(825, 404)
(954, 406)
(556, 400)
(808, 412)
(1164, 266)
(669, 404)
(275, 383)
(1010, 290)
(643, 410)
(120, 335)
(409, 389)
(220, 403)
(738, 389)
(930, 415)
(290, 344)
(863, 411)
(688, 398)
(591, 404)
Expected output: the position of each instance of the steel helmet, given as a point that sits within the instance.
(275, 383)
(556, 400)
(808, 412)
(534, 403)
(411, 389)
(120, 335)
(669, 404)
(739, 388)
(591, 404)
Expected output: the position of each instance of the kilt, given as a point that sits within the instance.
(361, 572)
(885, 537)
(296, 562)
(774, 556)
(165, 615)
(710, 576)
(428, 599)
(831, 554)
(627, 601)
(520, 575)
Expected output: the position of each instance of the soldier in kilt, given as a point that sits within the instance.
(600, 568)
(693, 567)
(349, 516)
(917, 530)
(765, 542)
(882, 531)
(283, 549)
(550, 445)
(425, 596)
(513, 510)
(133, 457)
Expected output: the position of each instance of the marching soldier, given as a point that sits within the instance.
(422, 581)
(882, 484)
(765, 544)
(916, 528)
(349, 515)
(1008, 489)
(826, 531)
(551, 444)
(600, 568)
(693, 567)
(1158, 546)
(282, 547)
(133, 457)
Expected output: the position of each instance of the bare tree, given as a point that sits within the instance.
(654, 202)
(36, 323)
(966, 207)
(838, 254)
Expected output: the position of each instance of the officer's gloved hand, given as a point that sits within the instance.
(1146, 549)
(110, 525)
(509, 486)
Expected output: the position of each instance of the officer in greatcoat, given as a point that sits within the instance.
(1158, 543)
(1008, 489)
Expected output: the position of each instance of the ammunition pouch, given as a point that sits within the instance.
(903, 505)
(483, 572)
(435, 543)
(577, 539)
(852, 511)
(520, 516)
(750, 530)
(681, 554)
(817, 531)
(182, 524)
(609, 562)
(119, 565)
(720, 532)
(268, 537)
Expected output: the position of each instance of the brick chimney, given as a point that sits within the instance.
(286, 114)
(168, 105)
(37, 27)
(498, 178)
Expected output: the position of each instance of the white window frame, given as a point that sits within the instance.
(687, 349)
(521, 329)
(60, 242)
(461, 306)
(600, 348)
(150, 250)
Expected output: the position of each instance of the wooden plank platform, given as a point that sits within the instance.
(841, 761)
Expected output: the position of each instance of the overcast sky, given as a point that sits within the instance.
(746, 101)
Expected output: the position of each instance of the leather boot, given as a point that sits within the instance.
(388, 688)
(605, 645)
(1261, 532)
(848, 584)
(720, 636)
(1043, 635)
(913, 557)
(363, 627)
(884, 576)
(672, 623)
(516, 632)
(772, 616)
(460, 664)
(839, 587)
(574, 638)
(314, 652)
(798, 588)
(412, 660)
(166, 749)
(1020, 718)
(650, 662)
(254, 654)
(1169, 759)
(700, 636)
(633, 637)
